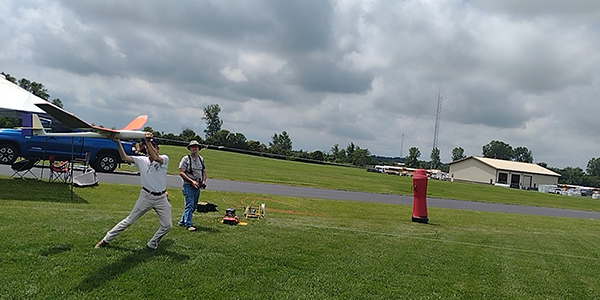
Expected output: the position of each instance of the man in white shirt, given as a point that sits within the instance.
(153, 176)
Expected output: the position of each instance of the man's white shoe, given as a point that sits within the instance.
(101, 244)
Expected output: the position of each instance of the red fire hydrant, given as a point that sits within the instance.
(420, 197)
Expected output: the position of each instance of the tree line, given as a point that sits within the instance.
(280, 145)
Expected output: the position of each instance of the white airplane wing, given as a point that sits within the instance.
(72, 121)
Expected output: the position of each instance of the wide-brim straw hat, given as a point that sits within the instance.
(193, 143)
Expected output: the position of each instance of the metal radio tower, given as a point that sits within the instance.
(436, 133)
(401, 145)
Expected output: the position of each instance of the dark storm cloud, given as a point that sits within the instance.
(303, 26)
(209, 19)
(578, 8)
(184, 48)
(485, 106)
(260, 89)
(289, 26)
(328, 71)
(323, 75)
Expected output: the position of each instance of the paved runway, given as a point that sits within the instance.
(283, 190)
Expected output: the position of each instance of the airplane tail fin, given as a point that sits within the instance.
(32, 125)
(137, 123)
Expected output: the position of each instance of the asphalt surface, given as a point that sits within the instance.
(283, 190)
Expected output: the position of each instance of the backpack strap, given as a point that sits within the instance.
(190, 164)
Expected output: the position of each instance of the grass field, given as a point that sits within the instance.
(238, 167)
(303, 249)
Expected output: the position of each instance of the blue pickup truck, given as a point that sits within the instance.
(103, 153)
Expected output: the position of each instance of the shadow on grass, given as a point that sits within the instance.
(434, 224)
(56, 250)
(114, 270)
(37, 190)
(208, 229)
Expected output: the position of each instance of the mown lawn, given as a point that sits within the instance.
(240, 167)
(303, 249)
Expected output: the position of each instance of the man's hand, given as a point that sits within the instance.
(198, 184)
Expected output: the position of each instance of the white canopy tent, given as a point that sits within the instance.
(14, 101)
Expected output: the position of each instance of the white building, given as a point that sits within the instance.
(504, 172)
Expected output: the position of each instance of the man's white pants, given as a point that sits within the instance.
(145, 202)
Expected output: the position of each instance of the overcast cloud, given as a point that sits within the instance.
(327, 72)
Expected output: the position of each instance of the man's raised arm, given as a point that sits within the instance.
(124, 156)
(151, 150)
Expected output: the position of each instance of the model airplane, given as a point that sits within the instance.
(131, 131)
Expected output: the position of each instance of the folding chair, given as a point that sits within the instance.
(59, 171)
(23, 167)
(85, 161)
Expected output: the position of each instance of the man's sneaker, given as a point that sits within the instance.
(101, 244)
(191, 228)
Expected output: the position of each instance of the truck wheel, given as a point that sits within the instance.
(8, 154)
(106, 163)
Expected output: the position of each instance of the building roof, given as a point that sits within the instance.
(509, 165)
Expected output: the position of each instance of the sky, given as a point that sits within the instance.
(367, 72)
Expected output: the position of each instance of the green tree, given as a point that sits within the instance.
(498, 150)
(256, 146)
(6, 122)
(302, 154)
(228, 139)
(338, 155)
(593, 166)
(350, 150)
(187, 134)
(35, 88)
(57, 102)
(171, 136)
(9, 78)
(435, 158)
(238, 141)
(213, 122)
(570, 175)
(317, 155)
(360, 157)
(458, 153)
(522, 154)
(219, 138)
(412, 160)
(281, 144)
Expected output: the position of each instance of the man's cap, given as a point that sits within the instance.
(154, 142)
(193, 143)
